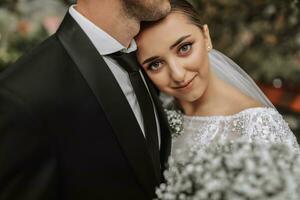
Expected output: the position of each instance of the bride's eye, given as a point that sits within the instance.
(154, 66)
(185, 48)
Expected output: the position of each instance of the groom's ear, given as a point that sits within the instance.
(207, 36)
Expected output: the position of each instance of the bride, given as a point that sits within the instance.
(217, 98)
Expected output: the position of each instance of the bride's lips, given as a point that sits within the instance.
(186, 85)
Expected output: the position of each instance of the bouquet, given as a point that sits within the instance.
(238, 170)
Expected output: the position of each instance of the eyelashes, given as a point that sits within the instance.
(155, 65)
(182, 50)
(185, 48)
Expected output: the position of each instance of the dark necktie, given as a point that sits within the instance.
(129, 63)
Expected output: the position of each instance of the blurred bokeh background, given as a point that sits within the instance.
(262, 36)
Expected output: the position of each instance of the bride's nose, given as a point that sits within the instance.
(177, 71)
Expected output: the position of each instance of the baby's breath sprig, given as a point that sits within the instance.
(175, 120)
(238, 170)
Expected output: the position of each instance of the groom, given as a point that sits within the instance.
(71, 125)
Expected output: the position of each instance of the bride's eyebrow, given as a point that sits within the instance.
(150, 59)
(179, 41)
(171, 47)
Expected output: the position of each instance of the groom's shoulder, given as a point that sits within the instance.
(41, 69)
(43, 58)
(47, 50)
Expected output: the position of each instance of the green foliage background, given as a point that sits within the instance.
(263, 36)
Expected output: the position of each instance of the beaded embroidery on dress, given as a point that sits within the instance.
(260, 124)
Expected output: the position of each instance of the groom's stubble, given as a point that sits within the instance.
(146, 10)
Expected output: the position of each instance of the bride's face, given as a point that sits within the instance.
(174, 54)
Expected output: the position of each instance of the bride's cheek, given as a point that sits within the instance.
(156, 80)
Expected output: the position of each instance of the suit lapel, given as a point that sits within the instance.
(112, 100)
(164, 127)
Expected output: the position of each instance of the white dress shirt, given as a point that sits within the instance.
(106, 44)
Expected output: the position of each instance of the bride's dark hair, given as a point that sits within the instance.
(183, 7)
(188, 10)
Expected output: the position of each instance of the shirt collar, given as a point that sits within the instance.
(104, 43)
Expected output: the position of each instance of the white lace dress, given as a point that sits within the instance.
(259, 124)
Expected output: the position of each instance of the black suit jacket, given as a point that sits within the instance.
(66, 129)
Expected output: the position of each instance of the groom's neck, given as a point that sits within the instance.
(110, 17)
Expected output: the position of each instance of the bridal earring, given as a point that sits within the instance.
(209, 48)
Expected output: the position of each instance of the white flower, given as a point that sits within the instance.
(175, 120)
(237, 170)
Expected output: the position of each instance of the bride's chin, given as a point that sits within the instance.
(192, 97)
(189, 99)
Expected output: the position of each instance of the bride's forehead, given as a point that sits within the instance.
(167, 32)
(172, 21)
(164, 33)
